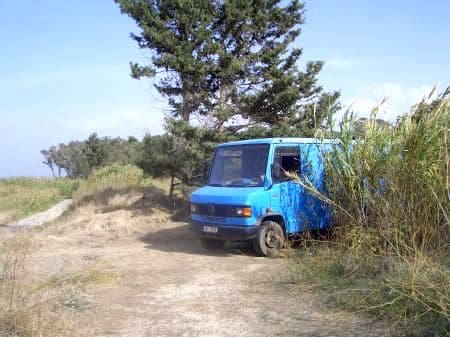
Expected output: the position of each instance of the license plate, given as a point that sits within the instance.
(209, 229)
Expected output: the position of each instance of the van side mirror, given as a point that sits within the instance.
(279, 174)
(276, 172)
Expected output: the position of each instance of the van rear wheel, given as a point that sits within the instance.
(269, 239)
(212, 244)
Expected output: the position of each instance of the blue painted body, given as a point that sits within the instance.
(287, 202)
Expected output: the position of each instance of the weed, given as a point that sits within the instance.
(92, 274)
(29, 309)
(20, 313)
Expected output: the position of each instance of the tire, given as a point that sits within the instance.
(212, 244)
(269, 239)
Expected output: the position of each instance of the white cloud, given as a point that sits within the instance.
(397, 99)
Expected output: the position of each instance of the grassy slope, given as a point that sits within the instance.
(20, 197)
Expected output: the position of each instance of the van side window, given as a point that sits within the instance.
(286, 159)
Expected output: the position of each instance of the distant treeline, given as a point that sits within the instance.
(77, 159)
(183, 152)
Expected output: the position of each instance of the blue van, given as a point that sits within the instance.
(250, 196)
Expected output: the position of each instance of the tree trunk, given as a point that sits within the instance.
(185, 113)
(172, 187)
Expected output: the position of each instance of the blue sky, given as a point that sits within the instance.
(65, 74)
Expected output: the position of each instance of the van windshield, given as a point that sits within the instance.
(239, 166)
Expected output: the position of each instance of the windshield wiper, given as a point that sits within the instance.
(215, 185)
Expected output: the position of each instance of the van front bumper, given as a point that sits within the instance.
(226, 233)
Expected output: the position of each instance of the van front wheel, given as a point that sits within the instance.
(269, 239)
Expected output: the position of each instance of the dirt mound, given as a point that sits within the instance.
(115, 214)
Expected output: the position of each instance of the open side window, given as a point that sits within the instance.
(286, 160)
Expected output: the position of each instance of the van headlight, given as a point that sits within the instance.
(244, 211)
(194, 208)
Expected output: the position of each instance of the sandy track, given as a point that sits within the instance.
(168, 285)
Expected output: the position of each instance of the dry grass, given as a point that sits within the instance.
(91, 274)
(120, 187)
(21, 314)
(412, 295)
(30, 307)
(15, 253)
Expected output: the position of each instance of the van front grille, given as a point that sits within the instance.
(213, 218)
(214, 210)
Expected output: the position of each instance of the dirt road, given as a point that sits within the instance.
(166, 284)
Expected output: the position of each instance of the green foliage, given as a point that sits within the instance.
(154, 158)
(231, 62)
(72, 159)
(192, 147)
(78, 159)
(178, 33)
(183, 153)
(20, 197)
(390, 194)
(95, 151)
(112, 176)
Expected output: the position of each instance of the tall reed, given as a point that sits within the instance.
(388, 186)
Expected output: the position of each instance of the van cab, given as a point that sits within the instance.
(251, 195)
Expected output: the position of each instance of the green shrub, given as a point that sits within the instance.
(114, 176)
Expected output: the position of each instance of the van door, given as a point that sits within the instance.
(286, 160)
(313, 213)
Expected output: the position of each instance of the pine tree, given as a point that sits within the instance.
(177, 32)
(231, 60)
(257, 75)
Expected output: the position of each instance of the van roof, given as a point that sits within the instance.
(285, 140)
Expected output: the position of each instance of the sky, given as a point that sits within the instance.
(64, 68)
